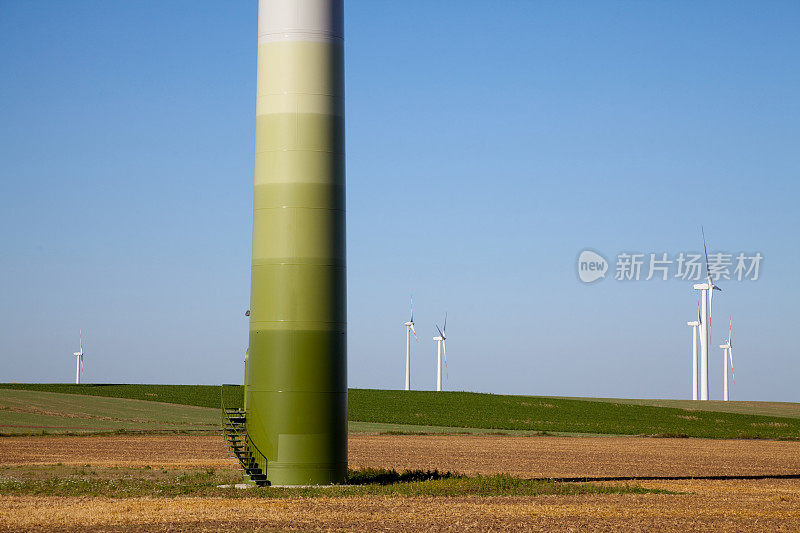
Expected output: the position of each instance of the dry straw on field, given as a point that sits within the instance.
(768, 505)
(521, 456)
(719, 506)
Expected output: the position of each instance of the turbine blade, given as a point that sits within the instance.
(440, 331)
(710, 299)
(705, 252)
(730, 332)
(444, 330)
(710, 307)
(412, 310)
(730, 356)
(414, 332)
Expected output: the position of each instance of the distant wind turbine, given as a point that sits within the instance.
(707, 293)
(79, 361)
(409, 330)
(727, 353)
(441, 347)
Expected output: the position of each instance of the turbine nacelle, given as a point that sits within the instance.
(410, 323)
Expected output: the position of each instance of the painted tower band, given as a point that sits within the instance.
(296, 379)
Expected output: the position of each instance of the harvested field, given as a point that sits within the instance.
(169, 451)
(718, 506)
(469, 454)
(578, 456)
(730, 505)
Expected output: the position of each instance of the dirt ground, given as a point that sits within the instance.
(578, 456)
(732, 505)
(473, 454)
(168, 451)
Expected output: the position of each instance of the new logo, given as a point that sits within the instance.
(591, 266)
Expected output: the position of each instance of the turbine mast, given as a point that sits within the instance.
(694, 325)
(408, 357)
(409, 330)
(725, 372)
(703, 288)
(297, 364)
(438, 363)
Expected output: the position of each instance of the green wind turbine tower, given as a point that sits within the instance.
(296, 378)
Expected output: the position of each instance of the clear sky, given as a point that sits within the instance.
(487, 146)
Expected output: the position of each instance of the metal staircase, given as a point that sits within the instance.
(250, 458)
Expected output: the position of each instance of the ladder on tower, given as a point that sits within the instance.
(234, 429)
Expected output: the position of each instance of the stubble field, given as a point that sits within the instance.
(544, 457)
(725, 505)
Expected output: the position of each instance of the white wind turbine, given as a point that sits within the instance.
(441, 347)
(707, 292)
(694, 325)
(409, 330)
(727, 353)
(79, 361)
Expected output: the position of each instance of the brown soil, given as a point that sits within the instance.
(763, 505)
(578, 456)
(170, 451)
(522, 456)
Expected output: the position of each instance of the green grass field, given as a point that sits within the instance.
(25, 412)
(430, 412)
(463, 409)
(197, 395)
(782, 409)
(29, 412)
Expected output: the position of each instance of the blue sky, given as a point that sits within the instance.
(486, 147)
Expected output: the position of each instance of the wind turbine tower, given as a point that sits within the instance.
(694, 325)
(79, 361)
(441, 348)
(727, 353)
(706, 295)
(296, 388)
(703, 288)
(409, 330)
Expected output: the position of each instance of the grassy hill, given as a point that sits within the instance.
(197, 395)
(385, 408)
(28, 412)
(782, 409)
(464, 409)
